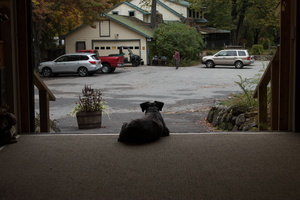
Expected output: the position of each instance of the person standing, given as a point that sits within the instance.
(176, 58)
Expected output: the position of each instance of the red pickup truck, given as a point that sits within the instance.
(109, 63)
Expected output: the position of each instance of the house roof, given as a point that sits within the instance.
(130, 5)
(209, 30)
(132, 23)
(183, 3)
(169, 9)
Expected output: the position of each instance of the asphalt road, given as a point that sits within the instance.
(188, 94)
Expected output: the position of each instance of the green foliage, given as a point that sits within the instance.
(171, 36)
(257, 49)
(55, 18)
(244, 99)
(248, 20)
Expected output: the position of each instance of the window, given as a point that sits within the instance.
(104, 28)
(231, 53)
(131, 13)
(222, 53)
(83, 58)
(136, 47)
(80, 46)
(115, 12)
(107, 48)
(242, 53)
(102, 48)
(63, 59)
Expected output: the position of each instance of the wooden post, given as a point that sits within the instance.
(45, 95)
(262, 107)
(44, 111)
(275, 92)
(284, 66)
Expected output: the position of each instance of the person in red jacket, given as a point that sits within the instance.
(176, 58)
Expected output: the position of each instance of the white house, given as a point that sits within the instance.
(127, 24)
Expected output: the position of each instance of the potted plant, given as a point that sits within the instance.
(88, 110)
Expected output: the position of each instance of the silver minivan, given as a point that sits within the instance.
(235, 57)
(83, 64)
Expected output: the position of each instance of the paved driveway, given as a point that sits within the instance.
(188, 94)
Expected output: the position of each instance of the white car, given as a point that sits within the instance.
(83, 64)
(235, 57)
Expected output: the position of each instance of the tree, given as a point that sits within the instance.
(55, 18)
(240, 16)
(171, 36)
(263, 22)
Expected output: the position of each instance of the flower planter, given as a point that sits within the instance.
(89, 119)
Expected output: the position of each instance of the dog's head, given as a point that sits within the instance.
(156, 105)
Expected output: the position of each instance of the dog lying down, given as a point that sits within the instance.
(147, 129)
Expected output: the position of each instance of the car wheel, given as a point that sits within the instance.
(47, 72)
(210, 64)
(238, 64)
(82, 71)
(105, 68)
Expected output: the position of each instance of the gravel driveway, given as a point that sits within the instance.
(188, 94)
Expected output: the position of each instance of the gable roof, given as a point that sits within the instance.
(183, 3)
(169, 9)
(210, 30)
(132, 23)
(130, 5)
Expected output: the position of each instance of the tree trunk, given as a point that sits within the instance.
(153, 14)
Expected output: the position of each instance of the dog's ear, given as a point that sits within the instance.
(144, 106)
(159, 104)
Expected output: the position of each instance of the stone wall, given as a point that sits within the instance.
(234, 118)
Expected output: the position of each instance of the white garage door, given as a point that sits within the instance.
(111, 47)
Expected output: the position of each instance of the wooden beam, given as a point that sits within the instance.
(297, 71)
(275, 94)
(284, 66)
(23, 67)
(39, 83)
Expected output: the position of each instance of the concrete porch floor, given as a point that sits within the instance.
(239, 166)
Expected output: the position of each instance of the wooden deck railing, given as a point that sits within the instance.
(45, 95)
(271, 75)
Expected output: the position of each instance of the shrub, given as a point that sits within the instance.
(171, 36)
(257, 49)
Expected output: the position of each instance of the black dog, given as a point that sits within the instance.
(147, 129)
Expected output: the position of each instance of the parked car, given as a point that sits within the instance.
(109, 63)
(236, 57)
(82, 64)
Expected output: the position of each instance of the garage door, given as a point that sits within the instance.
(112, 47)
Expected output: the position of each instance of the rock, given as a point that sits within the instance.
(211, 114)
(240, 120)
(237, 110)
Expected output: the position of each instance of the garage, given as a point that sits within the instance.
(112, 46)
